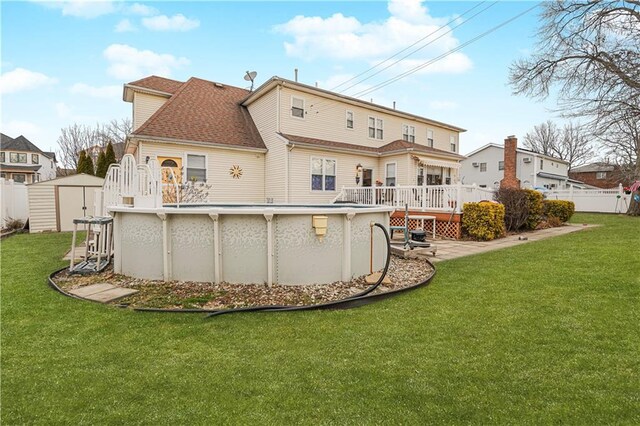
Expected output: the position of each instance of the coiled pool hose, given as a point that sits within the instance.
(358, 299)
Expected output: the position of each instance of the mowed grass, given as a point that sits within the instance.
(546, 332)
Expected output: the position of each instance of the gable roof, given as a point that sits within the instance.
(207, 112)
(594, 167)
(518, 149)
(397, 146)
(159, 84)
(18, 144)
(275, 81)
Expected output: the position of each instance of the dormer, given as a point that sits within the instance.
(147, 96)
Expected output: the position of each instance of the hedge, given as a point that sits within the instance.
(536, 208)
(483, 221)
(560, 209)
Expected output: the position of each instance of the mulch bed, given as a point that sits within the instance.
(194, 295)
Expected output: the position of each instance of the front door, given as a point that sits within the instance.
(367, 177)
(173, 163)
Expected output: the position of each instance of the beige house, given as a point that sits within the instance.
(24, 162)
(285, 142)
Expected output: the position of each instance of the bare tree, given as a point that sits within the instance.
(72, 140)
(79, 137)
(542, 138)
(590, 51)
(622, 142)
(569, 144)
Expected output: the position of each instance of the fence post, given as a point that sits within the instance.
(459, 197)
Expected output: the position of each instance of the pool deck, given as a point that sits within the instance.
(452, 249)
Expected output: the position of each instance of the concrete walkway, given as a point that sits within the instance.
(451, 249)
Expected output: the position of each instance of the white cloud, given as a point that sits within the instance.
(87, 9)
(105, 92)
(124, 26)
(141, 9)
(15, 128)
(21, 79)
(62, 110)
(129, 63)
(177, 22)
(443, 105)
(340, 37)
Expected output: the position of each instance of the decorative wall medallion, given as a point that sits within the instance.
(235, 172)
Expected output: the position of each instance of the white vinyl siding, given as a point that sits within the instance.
(144, 106)
(248, 189)
(42, 208)
(264, 113)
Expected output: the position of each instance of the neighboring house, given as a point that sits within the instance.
(485, 167)
(286, 141)
(600, 175)
(94, 151)
(24, 162)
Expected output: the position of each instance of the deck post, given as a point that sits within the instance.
(346, 247)
(166, 247)
(216, 247)
(269, 218)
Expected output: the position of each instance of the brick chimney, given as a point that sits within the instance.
(510, 180)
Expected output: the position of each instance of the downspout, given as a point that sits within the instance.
(535, 171)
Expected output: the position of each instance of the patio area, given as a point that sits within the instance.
(452, 249)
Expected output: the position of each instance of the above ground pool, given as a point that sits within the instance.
(283, 244)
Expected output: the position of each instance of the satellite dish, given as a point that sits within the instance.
(250, 76)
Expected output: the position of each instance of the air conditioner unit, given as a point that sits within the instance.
(475, 164)
(526, 160)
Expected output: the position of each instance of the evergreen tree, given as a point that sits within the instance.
(82, 161)
(101, 165)
(110, 157)
(89, 166)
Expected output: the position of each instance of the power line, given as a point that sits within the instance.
(408, 47)
(436, 59)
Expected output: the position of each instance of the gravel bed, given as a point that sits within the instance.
(190, 295)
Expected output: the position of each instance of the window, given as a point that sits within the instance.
(17, 157)
(297, 107)
(483, 167)
(390, 174)
(323, 174)
(196, 168)
(408, 133)
(601, 175)
(452, 143)
(420, 177)
(2, 157)
(375, 128)
(430, 138)
(500, 165)
(19, 178)
(541, 164)
(349, 119)
(34, 159)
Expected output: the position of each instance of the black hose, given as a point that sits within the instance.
(359, 299)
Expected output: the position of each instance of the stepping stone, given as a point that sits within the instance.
(373, 278)
(91, 289)
(112, 294)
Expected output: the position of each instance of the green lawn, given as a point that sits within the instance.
(546, 332)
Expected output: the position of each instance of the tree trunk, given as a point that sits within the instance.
(634, 204)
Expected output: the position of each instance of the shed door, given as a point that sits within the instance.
(74, 202)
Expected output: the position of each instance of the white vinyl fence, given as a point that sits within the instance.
(14, 203)
(594, 200)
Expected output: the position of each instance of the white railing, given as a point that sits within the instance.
(140, 182)
(430, 197)
(594, 200)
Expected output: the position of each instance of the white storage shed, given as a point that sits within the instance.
(53, 204)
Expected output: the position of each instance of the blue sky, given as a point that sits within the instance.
(66, 62)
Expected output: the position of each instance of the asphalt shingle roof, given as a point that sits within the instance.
(397, 145)
(18, 144)
(204, 111)
(160, 84)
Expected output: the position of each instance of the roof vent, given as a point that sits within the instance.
(218, 85)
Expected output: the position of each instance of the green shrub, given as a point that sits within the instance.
(560, 209)
(535, 207)
(483, 221)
